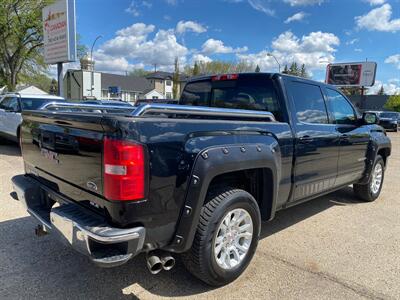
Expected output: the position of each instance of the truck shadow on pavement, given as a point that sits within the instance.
(32, 267)
(288, 217)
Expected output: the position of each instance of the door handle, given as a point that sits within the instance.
(305, 139)
(344, 137)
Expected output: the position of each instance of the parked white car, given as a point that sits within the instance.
(11, 106)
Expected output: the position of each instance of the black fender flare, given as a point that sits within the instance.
(377, 143)
(215, 161)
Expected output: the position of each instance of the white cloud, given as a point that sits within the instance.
(133, 43)
(137, 29)
(310, 50)
(147, 4)
(184, 26)
(112, 64)
(135, 6)
(303, 2)
(262, 6)
(172, 2)
(133, 9)
(391, 87)
(259, 5)
(375, 2)
(358, 50)
(201, 58)
(296, 17)
(378, 19)
(352, 42)
(212, 46)
(162, 50)
(128, 40)
(394, 59)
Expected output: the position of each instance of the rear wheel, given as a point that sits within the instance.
(371, 191)
(226, 237)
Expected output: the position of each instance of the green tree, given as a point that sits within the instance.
(53, 87)
(196, 69)
(393, 103)
(41, 80)
(218, 67)
(175, 80)
(294, 70)
(21, 39)
(257, 70)
(381, 91)
(242, 66)
(81, 49)
(303, 71)
(285, 70)
(139, 73)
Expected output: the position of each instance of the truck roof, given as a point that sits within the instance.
(267, 74)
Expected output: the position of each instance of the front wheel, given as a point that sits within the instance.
(226, 237)
(371, 191)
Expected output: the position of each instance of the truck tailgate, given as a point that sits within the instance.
(64, 150)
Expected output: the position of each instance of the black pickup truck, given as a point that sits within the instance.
(197, 178)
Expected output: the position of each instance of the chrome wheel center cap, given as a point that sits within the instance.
(233, 238)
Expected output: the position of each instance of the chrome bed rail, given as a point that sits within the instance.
(57, 105)
(201, 111)
(154, 108)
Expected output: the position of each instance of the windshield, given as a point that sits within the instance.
(389, 115)
(35, 103)
(253, 92)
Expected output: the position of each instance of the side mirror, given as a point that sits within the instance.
(370, 118)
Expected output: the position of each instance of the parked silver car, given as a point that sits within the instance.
(11, 106)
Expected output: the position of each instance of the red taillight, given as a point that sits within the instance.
(124, 170)
(225, 77)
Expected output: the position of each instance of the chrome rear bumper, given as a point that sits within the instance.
(85, 231)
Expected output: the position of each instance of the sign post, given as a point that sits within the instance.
(60, 77)
(59, 36)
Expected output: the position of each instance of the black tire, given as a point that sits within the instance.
(364, 191)
(200, 260)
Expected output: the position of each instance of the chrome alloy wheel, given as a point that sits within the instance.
(233, 239)
(376, 181)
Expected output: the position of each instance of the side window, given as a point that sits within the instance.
(5, 103)
(196, 93)
(342, 111)
(309, 103)
(251, 92)
(10, 103)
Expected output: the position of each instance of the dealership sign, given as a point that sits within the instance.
(59, 32)
(351, 74)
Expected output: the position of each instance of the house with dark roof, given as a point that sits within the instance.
(89, 84)
(163, 83)
(84, 84)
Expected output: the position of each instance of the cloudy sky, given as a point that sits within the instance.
(141, 33)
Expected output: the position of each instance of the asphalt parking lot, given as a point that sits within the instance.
(333, 247)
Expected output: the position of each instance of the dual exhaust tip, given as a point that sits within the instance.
(156, 263)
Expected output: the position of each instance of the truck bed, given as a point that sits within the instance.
(63, 150)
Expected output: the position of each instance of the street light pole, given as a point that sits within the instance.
(91, 60)
(279, 65)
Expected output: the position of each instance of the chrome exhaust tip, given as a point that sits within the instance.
(168, 262)
(154, 264)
